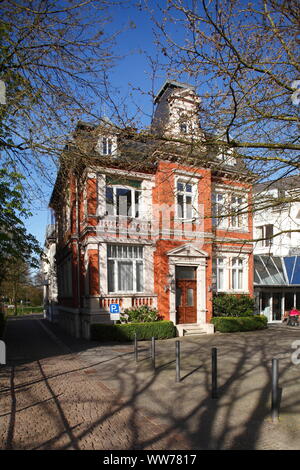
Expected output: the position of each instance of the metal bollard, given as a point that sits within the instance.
(177, 354)
(153, 351)
(214, 373)
(135, 348)
(275, 391)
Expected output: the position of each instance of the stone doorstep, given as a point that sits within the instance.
(194, 329)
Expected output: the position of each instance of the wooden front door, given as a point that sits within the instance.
(186, 295)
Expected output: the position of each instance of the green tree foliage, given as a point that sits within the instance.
(16, 244)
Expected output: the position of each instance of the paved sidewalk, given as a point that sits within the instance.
(57, 392)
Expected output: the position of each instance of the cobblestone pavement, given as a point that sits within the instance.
(57, 392)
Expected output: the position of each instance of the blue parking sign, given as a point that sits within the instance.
(114, 308)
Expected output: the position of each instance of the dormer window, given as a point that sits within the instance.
(183, 128)
(106, 146)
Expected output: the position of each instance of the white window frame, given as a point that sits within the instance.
(228, 219)
(133, 203)
(237, 267)
(105, 143)
(229, 270)
(193, 194)
(221, 267)
(220, 219)
(134, 261)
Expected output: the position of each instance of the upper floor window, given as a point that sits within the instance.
(229, 211)
(237, 216)
(123, 201)
(265, 235)
(184, 199)
(183, 127)
(219, 209)
(106, 146)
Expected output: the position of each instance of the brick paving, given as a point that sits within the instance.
(57, 392)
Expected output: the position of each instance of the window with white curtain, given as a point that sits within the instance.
(125, 268)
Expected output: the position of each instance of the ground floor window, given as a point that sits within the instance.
(125, 268)
(231, 273)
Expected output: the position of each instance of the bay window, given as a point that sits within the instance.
(125, 268)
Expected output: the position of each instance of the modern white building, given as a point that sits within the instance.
(277, 246)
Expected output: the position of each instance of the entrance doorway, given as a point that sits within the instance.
(186, 294)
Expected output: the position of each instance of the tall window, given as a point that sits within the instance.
(125, 267)
(220, 274)
(184, 200)
(237, 209)
(237, 274)
(219, 211)
(122, 201)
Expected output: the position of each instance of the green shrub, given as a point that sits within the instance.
(230, 305)
(125, 332)
(233, 324)
(141, 314)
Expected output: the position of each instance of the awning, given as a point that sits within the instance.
(276, 270)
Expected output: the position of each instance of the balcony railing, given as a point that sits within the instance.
(127, 301)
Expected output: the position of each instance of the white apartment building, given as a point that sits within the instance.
(277, 246)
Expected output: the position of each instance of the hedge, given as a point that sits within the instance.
(233, 305)
(233, 324)
(125, 332)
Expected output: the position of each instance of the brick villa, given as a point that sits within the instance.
(156, 218)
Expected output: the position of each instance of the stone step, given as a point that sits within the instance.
(193, 331)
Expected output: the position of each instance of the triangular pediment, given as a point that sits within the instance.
(187, 250)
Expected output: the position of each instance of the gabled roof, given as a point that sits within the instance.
(172, 84)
